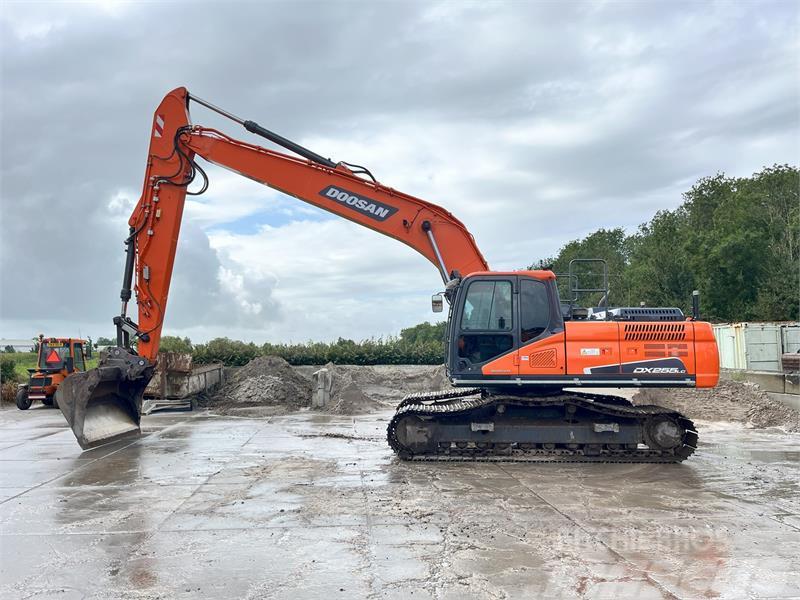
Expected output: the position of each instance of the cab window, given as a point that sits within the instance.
(534, 309)
(486, 321)
(78, 362)
(487, 307)
(52, 355)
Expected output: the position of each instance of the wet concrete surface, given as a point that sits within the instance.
(316, 506)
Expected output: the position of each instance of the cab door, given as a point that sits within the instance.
(78, 361)
(541, 329)
(537, 334)
(484, 329)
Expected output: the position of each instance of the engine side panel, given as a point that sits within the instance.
(592, 348)
(654, 349)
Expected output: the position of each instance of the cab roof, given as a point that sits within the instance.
(535, 274)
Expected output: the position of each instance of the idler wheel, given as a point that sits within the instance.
(662, 432)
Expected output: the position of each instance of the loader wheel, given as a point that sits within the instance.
(48, 401)
(23, 402)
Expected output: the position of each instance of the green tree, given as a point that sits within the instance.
(737, 240)
(230, 352)
(423, 333)
(173, 343)
(104, 341)
(774, 195)
(658, 273)
(8, 370)
(742, 239)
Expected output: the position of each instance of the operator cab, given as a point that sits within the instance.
(493, 314)
(56, 354)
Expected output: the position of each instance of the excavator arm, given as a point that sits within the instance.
(335, 187)
(105, 404)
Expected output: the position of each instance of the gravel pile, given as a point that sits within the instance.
(740, 402)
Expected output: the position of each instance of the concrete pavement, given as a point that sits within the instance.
(316, 506)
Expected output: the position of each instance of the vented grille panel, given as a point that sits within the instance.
(663, 332)
(544, 358)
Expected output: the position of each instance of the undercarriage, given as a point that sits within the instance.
(474, 424)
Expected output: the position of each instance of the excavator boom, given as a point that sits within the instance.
(334, 187)
(105, 404)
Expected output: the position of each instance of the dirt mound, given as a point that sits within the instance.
(729, 401)
(347, 396)
(360, 389)
(387, 383)
(264, 381)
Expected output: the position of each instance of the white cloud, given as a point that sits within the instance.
(332, 278)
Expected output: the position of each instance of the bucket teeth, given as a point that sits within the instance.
(105, 404)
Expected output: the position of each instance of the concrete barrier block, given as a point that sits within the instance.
(767, 380)
(323, 384)
(790, 400)
(732, 374)
(792, 383)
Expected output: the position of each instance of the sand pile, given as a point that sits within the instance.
(269, 385)
(740, 402)
(264, 381)
(359, 389)
(347, 396)
(384, 385)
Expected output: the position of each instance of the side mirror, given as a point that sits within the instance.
(437, 303)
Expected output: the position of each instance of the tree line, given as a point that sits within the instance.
(422, 344)
(735, 239)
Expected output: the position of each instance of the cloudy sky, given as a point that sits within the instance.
(534, 123)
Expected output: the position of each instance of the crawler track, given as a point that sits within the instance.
(473, 425)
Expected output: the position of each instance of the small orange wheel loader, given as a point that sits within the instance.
(58, 358)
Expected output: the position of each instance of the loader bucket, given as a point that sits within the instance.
(105, 404)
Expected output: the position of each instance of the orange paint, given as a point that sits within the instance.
(591, 344)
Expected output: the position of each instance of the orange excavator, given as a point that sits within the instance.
(513, 349)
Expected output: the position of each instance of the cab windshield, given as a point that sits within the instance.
(52, 355)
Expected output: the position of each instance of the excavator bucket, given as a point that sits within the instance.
(105, 404)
